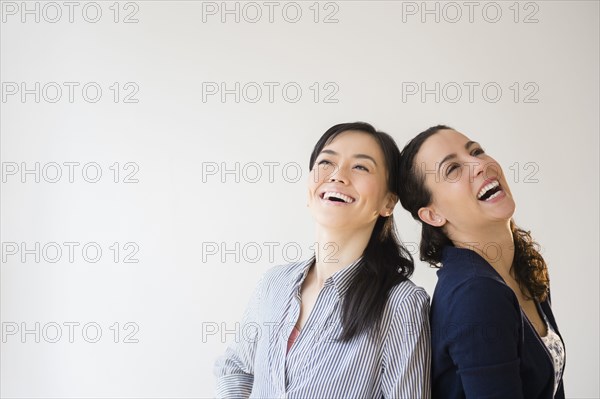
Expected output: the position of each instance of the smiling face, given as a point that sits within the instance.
(347, 186)
(469, 190)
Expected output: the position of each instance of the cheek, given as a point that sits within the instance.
(370, 187)
(450, 197)
(458, 192)
(311, 186)
(492, 169)
(313, 179)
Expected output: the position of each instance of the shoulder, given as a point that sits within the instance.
(286, 270)
(469, 289)
(284, 274)
(484, 290)
(464, 272)
(408, 294)
(406, 319)
(464, 262)
(477, 299)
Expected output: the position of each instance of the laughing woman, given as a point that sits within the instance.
(346, 323)
(493, 331)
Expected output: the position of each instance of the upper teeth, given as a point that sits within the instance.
(341, 196)
(488, 187)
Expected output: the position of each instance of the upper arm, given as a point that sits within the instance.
(481, 329)
(235, 369)
(407, 350)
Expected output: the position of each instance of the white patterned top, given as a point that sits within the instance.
(557, 351)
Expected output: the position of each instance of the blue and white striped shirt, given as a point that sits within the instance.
(396, 364)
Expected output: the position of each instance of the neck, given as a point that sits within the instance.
(494, 243)
(336, 249)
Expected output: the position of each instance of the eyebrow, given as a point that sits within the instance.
(362, 156)
(453, 155)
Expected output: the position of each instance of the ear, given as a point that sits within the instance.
(388, 207)
(430, 216)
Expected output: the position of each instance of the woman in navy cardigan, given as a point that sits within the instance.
(493, 331)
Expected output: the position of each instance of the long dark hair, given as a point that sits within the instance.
(386, 262)
(528, 266)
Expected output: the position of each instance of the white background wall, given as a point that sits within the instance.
(172, 134)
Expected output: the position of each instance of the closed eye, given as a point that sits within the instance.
(451, 168)
(477, 151)
(362, 167)
(324, 162)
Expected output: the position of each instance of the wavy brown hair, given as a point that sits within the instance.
(528, 266)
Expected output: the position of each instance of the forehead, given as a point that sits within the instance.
(440, 144)
(355, 142)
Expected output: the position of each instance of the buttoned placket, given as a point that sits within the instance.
(304, 344)
(283, 329)
(317, 319)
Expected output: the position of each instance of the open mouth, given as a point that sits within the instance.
(337, 197)
(489, 191)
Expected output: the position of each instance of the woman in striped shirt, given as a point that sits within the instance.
(493, 331)
(346, 323)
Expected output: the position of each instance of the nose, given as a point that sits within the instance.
(487, 169)
(476, 166)
(338, 175)
(479, 167)
(336, 178)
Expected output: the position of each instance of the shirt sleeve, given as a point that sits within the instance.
(407, 350)
(235, 369)
(483, 330)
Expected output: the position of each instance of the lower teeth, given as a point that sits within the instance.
(493, 195)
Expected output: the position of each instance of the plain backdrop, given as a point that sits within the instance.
(210, 122)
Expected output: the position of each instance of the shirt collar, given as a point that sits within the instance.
(340, 279)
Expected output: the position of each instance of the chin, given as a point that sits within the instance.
(330, 222)
(506, 211)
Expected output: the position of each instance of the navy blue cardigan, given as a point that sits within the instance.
(483, 346)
